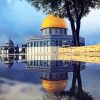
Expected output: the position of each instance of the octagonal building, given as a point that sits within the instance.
(53, 35)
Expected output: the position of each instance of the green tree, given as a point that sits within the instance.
(74, 10)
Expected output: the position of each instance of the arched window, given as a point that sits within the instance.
(35, 44)
(47, 43)
(41, 43)
(38, 43)
(31, 43)
(35, 63)
(44, 43)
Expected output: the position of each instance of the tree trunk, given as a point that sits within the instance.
(75, 32)
(78, 31)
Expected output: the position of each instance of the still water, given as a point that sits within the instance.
(49, 80)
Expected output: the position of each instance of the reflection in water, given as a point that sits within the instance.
(9, 61)
(54, 75)
(54, 78)
(76, 90)
(62, 65)
(54, 81)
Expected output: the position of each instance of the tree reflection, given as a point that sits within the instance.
(76, 90)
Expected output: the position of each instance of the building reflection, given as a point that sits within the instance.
(9, 60)
(52, 64)
(9, 63)
(54, 81)
(54, 78)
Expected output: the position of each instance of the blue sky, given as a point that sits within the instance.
(18, 20)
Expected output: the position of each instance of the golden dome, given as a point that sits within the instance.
(53, 21)
(54, 86)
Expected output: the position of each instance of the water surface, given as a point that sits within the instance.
(18, 82)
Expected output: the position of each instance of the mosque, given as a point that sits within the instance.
(53, 35)
(10, 51)
(8, 48)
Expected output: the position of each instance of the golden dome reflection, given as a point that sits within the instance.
(54, 86)
(54, 22)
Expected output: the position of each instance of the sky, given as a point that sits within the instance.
(18, 20)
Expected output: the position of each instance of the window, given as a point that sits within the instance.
(46, 31)
(31, 44)
(38, 62)
(63, 31)
(57, 64)
(47, 43)
(44, 43)
(35, 44)
(58, 30)
(53, 31)
(57, 43)
(35, 63)
(41, 63)
(40, 43)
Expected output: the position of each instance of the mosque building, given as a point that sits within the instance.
(53, 35)
(10, 51)
(8, 48)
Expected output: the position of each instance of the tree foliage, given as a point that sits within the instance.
(77, 8)
(74, 10)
